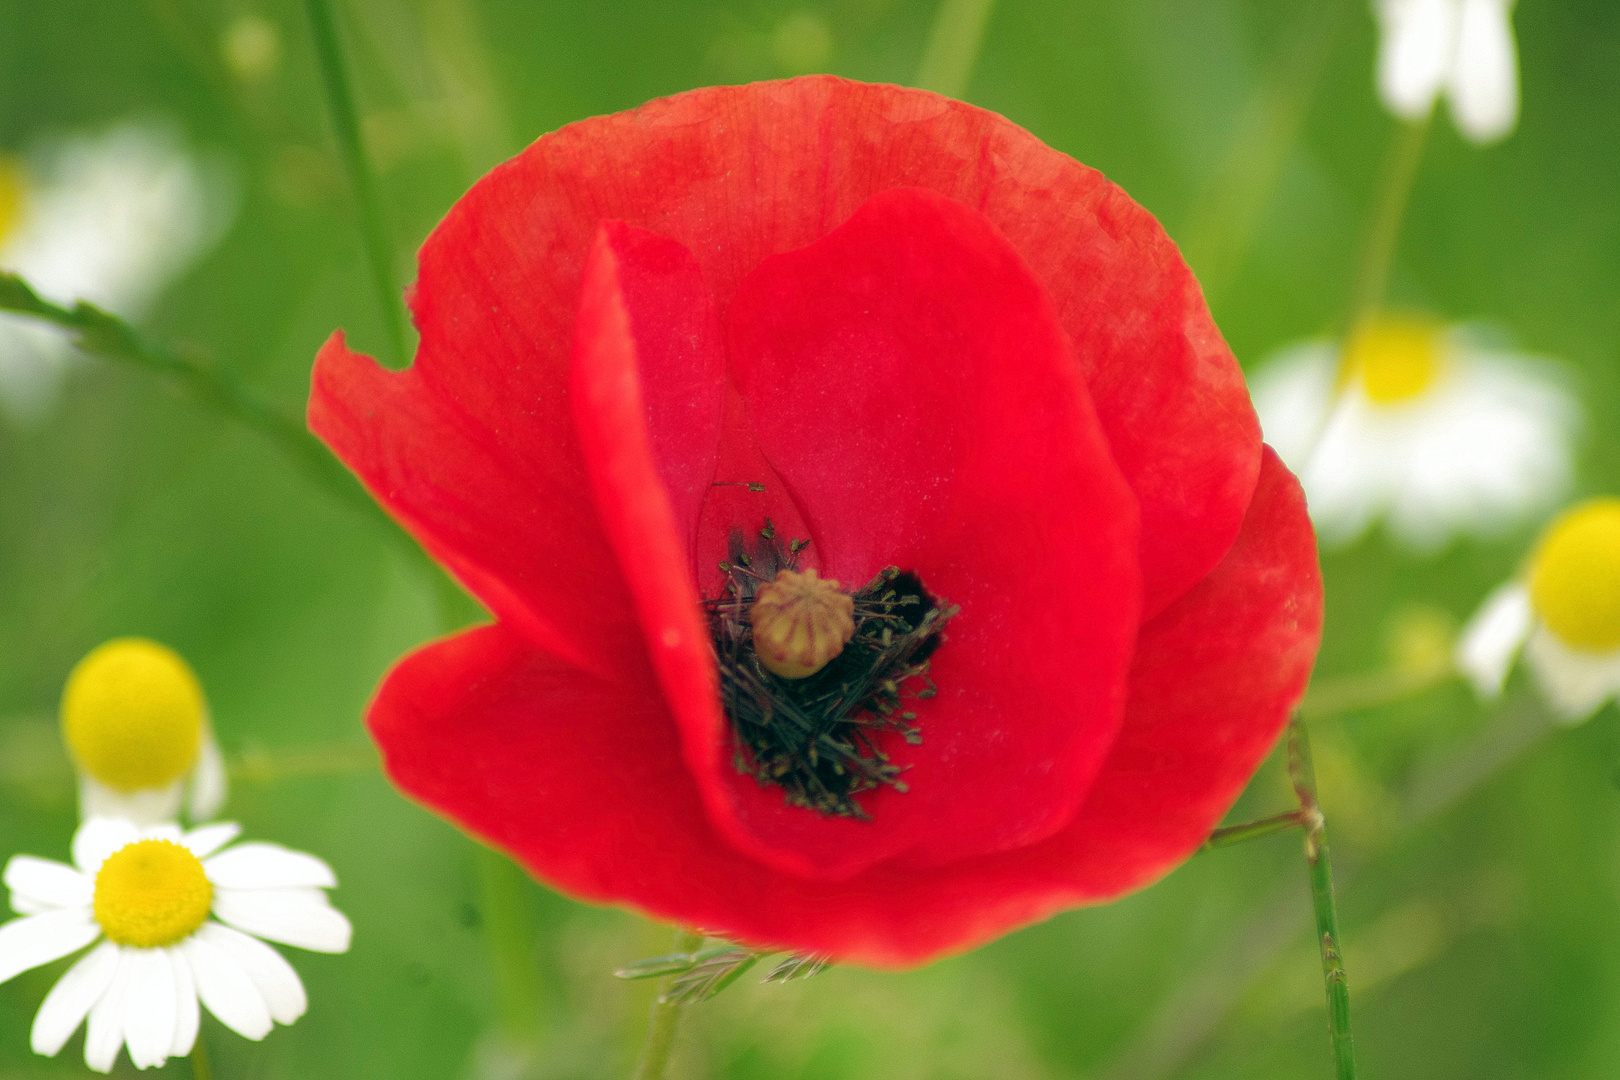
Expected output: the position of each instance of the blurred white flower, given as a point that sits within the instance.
(1563, 612)
(1463, 48)
(111, 219)
(136, 725)
(1428, 427)
(148, 893)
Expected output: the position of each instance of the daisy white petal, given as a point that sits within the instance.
(105, 1033)
(149, 1012)
(187, 1016)
(226, 989)
(45, 883)
(23, 904)
(1494, 636)
(300, 917)
(207, 787)
(1493, 446)
(1292, 394)
(268, 866)
(98, 838)
(1415, 53)
(277, 981)
(1484, 79)
(1576, 683)
(166, 830)
(33, 940)
(205, 841)
(145, 807)
(1357, 460)
(69, 1001)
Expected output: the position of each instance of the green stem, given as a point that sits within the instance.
(1237, 834)
(665, 1017)
(346, 126)
(953, 46)
(510, 931)
(1395, 191)
(340, 759)
(212, 384)
(1341, 694)
(1303, 773)
(1228, 214)
(200, 1069)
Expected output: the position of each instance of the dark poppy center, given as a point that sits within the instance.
(821, 738)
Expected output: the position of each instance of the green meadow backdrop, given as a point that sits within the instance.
(1478, 851)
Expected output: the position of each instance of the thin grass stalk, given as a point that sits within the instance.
(351, 145)
(1334, 979)
(953, 46)
(1383, 232)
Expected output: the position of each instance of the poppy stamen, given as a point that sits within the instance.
(817, 735)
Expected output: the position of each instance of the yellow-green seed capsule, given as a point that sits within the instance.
(800, 623)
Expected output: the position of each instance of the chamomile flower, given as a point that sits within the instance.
(1427, 427)
(136, 725)
(1461, 48)
(1563, 612)
(111, 219)
(146, 896)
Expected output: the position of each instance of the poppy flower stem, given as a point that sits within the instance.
(665, 1017)
(1337, 984)
(953, 46)
(346, 126)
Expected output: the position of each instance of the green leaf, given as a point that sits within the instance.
(671, 963)
(714, 970)
(798, 966)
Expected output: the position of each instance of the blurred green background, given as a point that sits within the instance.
(1479, 853)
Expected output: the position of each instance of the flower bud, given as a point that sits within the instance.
(800, 623)
(133, 715)
(1575, 576)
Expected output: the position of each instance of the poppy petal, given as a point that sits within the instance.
(626, 384)
(494, 489)
(736, 174)
(920, 402)
(1215, 679)
(581, 779)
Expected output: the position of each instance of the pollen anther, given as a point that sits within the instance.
(801, 623)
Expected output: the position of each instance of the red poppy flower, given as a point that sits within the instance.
(903, 330)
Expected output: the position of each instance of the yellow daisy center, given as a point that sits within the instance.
(151, 893)
(11, 196)
(1394, 359)
(132, 714)
(1575, 576)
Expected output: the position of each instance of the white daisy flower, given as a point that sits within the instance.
(111, 219)
(1462, 48)
(146, 895)
(1563, 612)
(136, 725)
(1429, 428)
